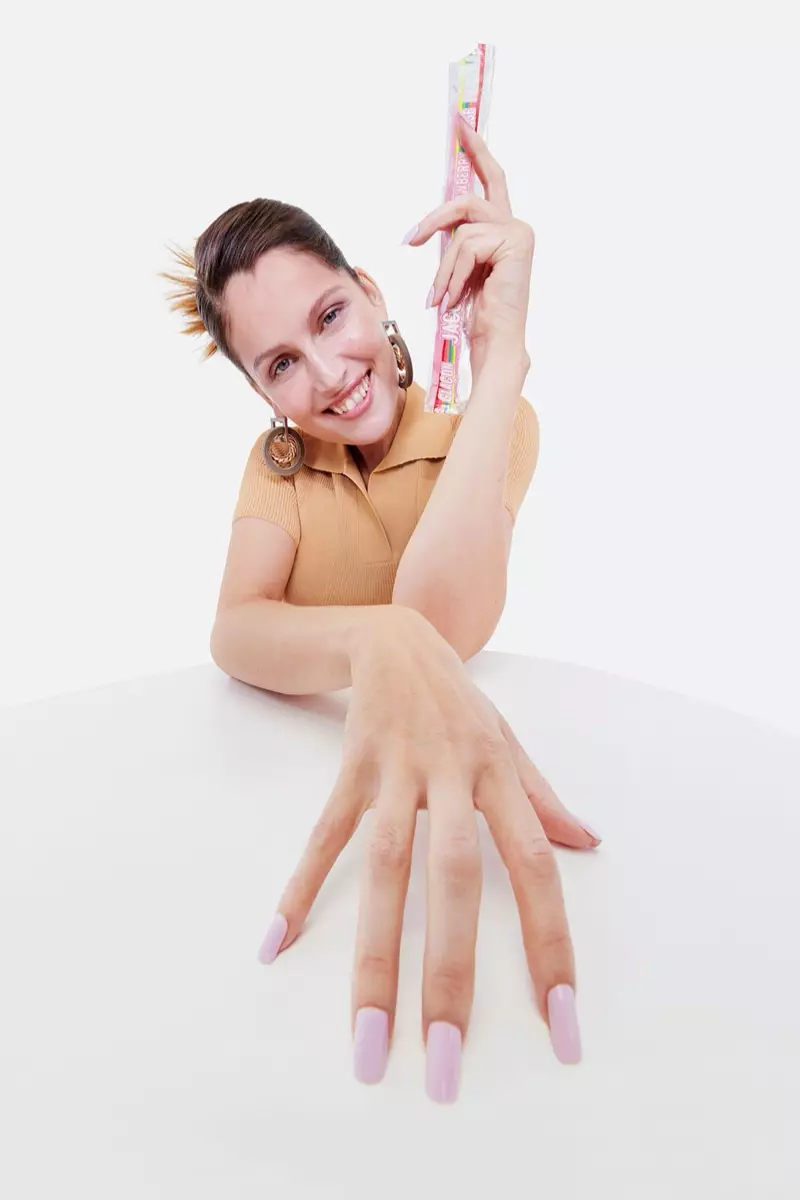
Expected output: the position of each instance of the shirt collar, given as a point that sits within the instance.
(420, 434)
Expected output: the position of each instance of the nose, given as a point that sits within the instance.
(330, 376)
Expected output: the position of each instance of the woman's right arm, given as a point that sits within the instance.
(296, 649)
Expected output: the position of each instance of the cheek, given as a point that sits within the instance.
(294, 401)
(381, 354)
(365, 340)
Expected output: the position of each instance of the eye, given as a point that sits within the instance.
(336, 309)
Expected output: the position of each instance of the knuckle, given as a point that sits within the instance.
(332, 829)
(459, 860)
(534, 859)
(389, 851)
(451, 982)
(358, 769)
(557, 943)
(373, 964)
(494, 750)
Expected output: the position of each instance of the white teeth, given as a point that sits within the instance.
(355, 397)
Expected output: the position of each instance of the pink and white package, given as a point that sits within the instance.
(469, 93)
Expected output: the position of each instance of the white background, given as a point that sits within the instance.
(654, 151)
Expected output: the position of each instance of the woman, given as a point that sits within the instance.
(369, 549)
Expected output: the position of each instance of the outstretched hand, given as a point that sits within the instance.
(419, 732)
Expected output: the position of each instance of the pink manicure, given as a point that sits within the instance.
(411, 234)
(563, 1019)
(371, 1044)
(443, 1062)
(589, 830)
(429, 301)
(273, 940)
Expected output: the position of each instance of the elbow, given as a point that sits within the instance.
(472, 640)
(216, 649)
(219, 649)
(467, 630)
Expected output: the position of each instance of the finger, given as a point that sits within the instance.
(454, 892)
(558, 822)
(380, 925)
(336, 825)
(471, 245)
(528, 856)
(487, 168)
(462, 272)
(474, 290)
(479, 244)
(466, 208)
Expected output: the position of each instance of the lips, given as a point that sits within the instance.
(360, 405)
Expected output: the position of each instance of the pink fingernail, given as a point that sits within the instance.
(589, 830)
(563, 1020)
(411, 234)
(446, 301)
(429, 301)
(371, 1044)
(273, 940)
(443, 1064)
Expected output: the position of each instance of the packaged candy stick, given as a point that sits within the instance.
(470, 86)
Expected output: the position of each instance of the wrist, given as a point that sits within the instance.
(384, 625)
(503, 354)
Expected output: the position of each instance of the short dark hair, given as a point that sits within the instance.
(234, 242)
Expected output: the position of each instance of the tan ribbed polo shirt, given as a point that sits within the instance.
(350, 535)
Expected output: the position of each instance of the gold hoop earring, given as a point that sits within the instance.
(405, 367)
(282, 448)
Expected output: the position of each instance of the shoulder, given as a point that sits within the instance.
(523, 455)
(526, 422)
(265, 494)
(525, 434)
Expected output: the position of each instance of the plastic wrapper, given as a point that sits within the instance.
(469, 93)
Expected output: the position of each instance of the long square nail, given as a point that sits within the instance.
(273, 940)
(371, 1044)
(443, 1065)
(411, 233)
(563, 1019)
(585, 825)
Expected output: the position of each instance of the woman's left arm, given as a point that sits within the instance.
(453, 569)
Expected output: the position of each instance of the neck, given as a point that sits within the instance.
(369, 456)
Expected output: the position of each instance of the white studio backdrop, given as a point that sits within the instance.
(655, 155)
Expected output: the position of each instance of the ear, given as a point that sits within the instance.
(372, 290)
(260, 394)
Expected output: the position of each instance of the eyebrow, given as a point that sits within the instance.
(318, 303)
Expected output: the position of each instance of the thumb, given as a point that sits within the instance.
(557, 821)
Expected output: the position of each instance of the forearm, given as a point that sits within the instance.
(299, 650)
(453, 569)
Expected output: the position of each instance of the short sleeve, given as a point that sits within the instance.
(523, 455)
(264, 494)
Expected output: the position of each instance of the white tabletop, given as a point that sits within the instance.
(147, 831)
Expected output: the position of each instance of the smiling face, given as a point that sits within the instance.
(307, 335)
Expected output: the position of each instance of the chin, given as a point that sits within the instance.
(378, 420)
